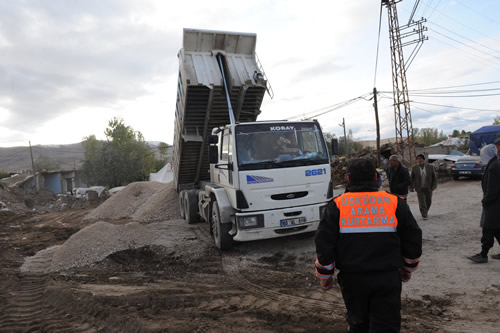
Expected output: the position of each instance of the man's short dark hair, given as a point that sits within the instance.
(420, 155)
(497, 141)
(361, 170)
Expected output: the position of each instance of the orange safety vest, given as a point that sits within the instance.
(367, 212)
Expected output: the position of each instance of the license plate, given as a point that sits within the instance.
(292, 222)
(464, 172)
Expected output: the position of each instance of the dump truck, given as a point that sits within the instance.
(248, 179)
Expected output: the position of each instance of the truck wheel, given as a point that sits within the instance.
(455, 177)
(191, 207)
(223, 240)
(181, 204)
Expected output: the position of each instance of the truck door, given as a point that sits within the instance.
(225, 169)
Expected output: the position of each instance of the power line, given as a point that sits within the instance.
(378, 44)
(413, 11)
(461, 43)
(454, 96)
(445, 115)
(479, 13)
(466, 38)
(430, 92)
(460, 86)
(460, 23)
(446, 106)
(456, 107)
(474, 56)
(433, 8)
(331, 107)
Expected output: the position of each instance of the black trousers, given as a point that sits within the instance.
(488, 239)
(373, 301)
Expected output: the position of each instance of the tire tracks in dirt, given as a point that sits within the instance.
(275, 299)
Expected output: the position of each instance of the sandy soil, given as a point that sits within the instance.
(61, 272)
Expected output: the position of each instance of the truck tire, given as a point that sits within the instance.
(191, 207)
(223, 240)
(181, 204)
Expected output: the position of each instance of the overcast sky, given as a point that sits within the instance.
(68, 67)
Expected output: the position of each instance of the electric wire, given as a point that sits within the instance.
(454, 96)
(477, 12)
(428, 92)
(445, 115)
(378, 45)
(459, 86)
(473, 56)
(457, 22)
(434, 9)
(441, 113)
(330, 108)
(413, 11)
(470, 40)
(455, 107)
(461, 43)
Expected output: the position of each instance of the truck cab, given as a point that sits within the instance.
(268, 180)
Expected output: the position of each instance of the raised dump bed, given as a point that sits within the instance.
(201, 100)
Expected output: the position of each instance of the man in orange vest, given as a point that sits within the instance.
(372, 238)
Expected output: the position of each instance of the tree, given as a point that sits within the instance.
(328, 139)
(349, 147)
(428, 136)
(46, 163)
(163, 149)
(123, 158)
(497, 120)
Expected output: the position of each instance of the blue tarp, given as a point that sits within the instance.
(483, 136)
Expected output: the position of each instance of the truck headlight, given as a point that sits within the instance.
(251, 221)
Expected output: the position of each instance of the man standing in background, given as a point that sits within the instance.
(398, 176)
(423, 181)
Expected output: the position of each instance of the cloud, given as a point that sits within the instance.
(59, 57)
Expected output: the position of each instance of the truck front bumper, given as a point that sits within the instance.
(278, 222)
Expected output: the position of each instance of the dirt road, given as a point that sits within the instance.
(174, 280)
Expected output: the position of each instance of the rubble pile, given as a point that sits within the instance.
(339, 166)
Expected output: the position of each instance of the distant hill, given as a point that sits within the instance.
(17, 159)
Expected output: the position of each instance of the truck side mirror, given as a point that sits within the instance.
(213, 139)
(335, 147)
(213, 154)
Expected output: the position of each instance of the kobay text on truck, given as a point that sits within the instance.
(250, 180)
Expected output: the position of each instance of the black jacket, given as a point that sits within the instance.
(399, 179)
(491, 194)
(367, 251)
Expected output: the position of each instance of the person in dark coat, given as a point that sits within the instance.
(372, 238)
(398, 176)
(424, 182)
(490, 217)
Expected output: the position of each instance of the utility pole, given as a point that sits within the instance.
(345, 136)
(375, 106)
(402, 113)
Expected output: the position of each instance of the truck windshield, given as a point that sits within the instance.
(263, 146)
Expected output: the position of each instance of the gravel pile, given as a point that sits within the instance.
(163, 205)
(77, 252)
(128, 201)
(97, 241)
